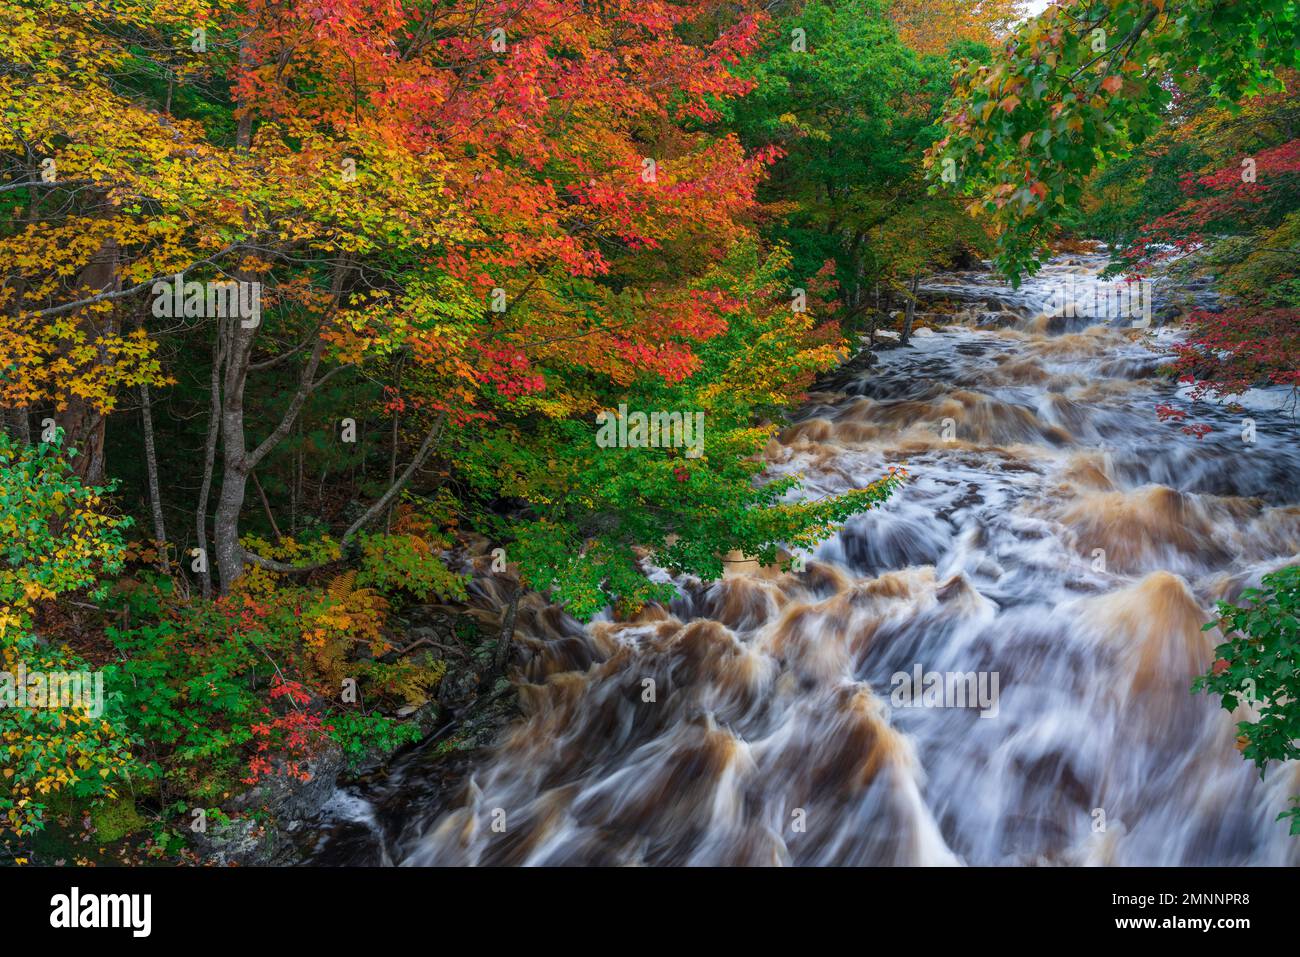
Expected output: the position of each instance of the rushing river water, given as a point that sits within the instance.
(1054, 537)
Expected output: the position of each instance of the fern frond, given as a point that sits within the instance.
(341, 585)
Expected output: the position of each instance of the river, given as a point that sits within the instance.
(1055, 542)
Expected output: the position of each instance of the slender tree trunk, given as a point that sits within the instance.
(228, 553)
(18, 421)
(392, 469)
(210, 458)
(151, 469)
(237, 461)
(18, 424)
(392, 456)
(83, 422)
(910, 313)
(296, 482)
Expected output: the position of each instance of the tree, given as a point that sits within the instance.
(542, 108)
(592, 511)
(1246, 229)
(1083, 83)
(936, 26)
(385, 177)
(98, 206)
(1233, 213)
(852, 110)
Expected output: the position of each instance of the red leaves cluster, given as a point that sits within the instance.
(538, 114)
(1247, 344)
(509, 371)
(1166, 413)
(293, 736)
(1239, 348)
(1219, 199)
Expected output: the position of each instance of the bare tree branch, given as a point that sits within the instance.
(122, 293)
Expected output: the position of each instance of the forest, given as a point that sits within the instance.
(565, 394)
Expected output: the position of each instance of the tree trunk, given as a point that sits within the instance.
(18, 424)
(237, 461)
(911, 312)
(18, 421)
(229, 554)
(392, 452)
(229, 557)
(296, 483)
(210, 458)
(83, 422)
(151, 469)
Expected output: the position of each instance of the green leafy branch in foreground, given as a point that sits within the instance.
(1260, 664)
(1083, 83)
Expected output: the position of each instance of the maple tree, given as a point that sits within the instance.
(556, 202)
(1235, 213)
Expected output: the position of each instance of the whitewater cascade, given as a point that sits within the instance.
(1054, 535)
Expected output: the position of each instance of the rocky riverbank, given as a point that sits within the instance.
(279, 821)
